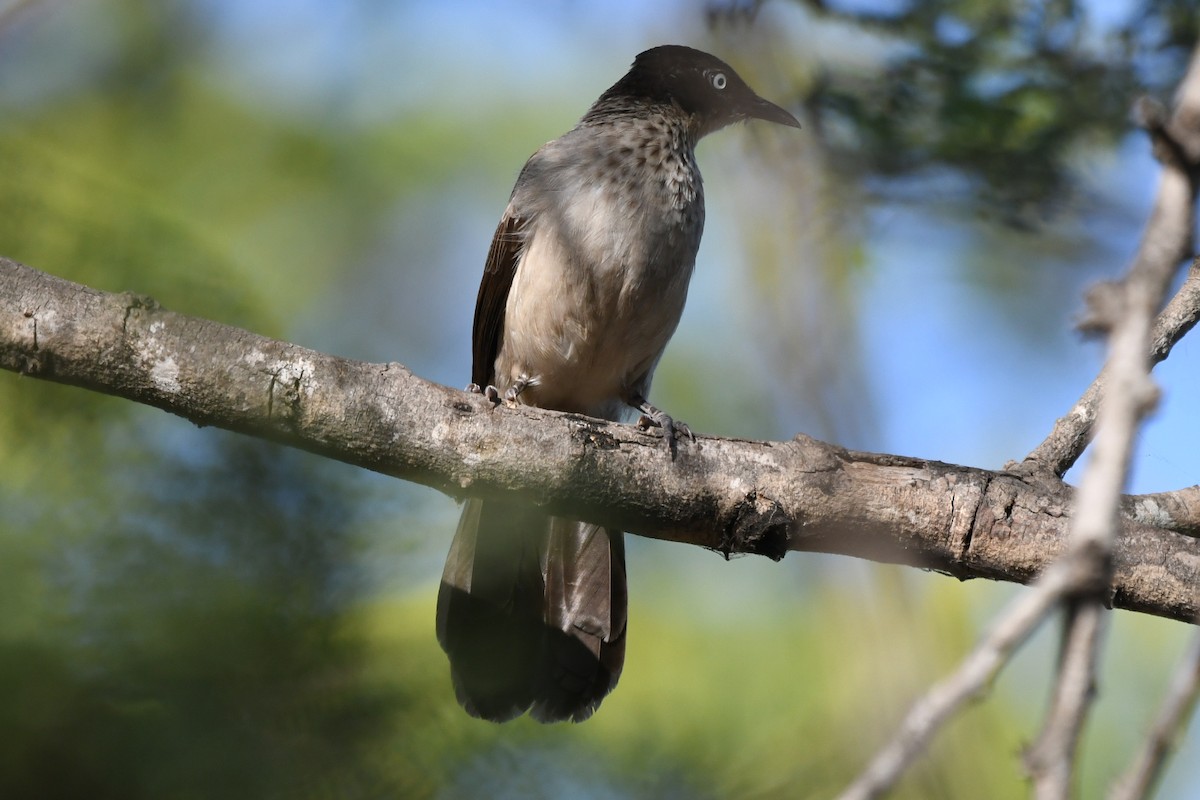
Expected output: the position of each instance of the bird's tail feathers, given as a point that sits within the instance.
(532, 613)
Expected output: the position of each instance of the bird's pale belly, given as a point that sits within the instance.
(581, 342)
(588, 368)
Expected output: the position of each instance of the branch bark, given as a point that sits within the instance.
(730, 495)
(1178, 510)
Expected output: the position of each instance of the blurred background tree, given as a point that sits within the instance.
(191, 614)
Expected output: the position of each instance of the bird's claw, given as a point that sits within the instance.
(493, 395)
(490, 392)
(672, 429)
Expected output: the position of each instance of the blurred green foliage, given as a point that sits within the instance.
(189, 614)
(189, 641)
(1003, 93)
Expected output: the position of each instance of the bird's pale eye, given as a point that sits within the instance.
(717, 79)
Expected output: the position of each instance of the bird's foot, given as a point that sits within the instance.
(490, 392)
(672, 429)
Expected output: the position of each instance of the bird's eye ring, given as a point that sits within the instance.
(717, 79)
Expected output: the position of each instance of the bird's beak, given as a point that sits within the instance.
(765, 109)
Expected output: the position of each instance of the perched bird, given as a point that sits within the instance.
(584, 284)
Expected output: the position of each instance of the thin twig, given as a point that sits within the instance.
(1128, 312)
(1177, 707)
(1072, 433)
(1012, 628)
(1084, 571)
(1052, 758)
(1178, 317)
(1166, 240)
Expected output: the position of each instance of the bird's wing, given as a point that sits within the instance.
(498, 272)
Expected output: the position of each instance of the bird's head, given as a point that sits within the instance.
(703, 86)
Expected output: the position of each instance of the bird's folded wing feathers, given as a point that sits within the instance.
(502, 259)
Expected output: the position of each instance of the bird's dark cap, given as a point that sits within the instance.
(702, 85)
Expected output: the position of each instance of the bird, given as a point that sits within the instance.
(583, 286)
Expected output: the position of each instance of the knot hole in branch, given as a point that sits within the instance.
(758, 525)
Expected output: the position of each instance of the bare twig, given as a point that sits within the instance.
(1128, 312)
(1166, 241)
(1177, 510)
(1072, 433)
(1177, 707)
(1178, 317)
(1012, 628)
(1051, 759)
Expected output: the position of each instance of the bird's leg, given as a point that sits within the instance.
(522, 383)
(653, 417)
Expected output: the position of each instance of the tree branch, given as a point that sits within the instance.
(1072, 433)
(1178, 510)
(729, 495)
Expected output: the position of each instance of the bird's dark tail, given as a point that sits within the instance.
(532, 613)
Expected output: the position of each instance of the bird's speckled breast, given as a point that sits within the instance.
(617, 216)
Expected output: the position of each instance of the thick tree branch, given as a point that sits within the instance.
(726, 494)
(1177, 511)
